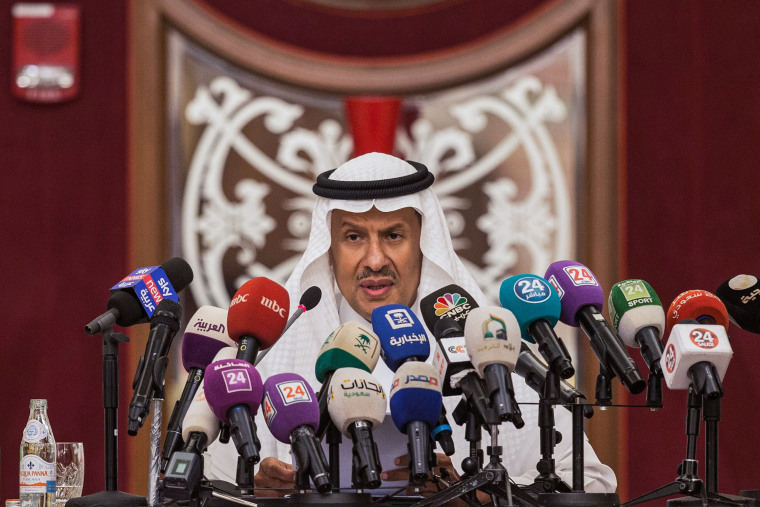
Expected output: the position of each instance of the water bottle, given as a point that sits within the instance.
(38, 456)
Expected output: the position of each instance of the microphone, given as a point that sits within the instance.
(234, 391)
(405, 347)
(537, 307)
(699, 305)
(444, 312)
(291, 411)
(741, 295)
(582, 300)
(257, 316)
(205, 335)
(357, 406)
(185, 467)
(152, 366)
(637, 316)
(492, 337)
(696, 354)
(534, 371)
(309, 299)
(135, 298)
(350, 345)
(416, 403)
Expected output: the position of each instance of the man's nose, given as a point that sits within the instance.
(375, 257)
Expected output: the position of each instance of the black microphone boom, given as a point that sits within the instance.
(150, 371)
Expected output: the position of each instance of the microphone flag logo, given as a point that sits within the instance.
(670, 358)
(448, 302)
(399, 318)
(703, 338)
(557, 286)
(532, 289)
(269, 411)
(580, 275)
(293, 391)
(237, 379)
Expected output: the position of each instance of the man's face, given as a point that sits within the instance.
(376, 257)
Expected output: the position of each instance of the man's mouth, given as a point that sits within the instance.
(376, 288)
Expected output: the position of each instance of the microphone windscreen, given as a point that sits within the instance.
(355, 395)
(310, 298)
(260, 310)
(401, 335)
(492, 336)
(205, 335)
(451, 302)
(200, 417)
(289, 402)
(415, 395)
(179, 272)
(350, 345)
(130, 310)
(633, 305)
(232, 382)
(577, 287)
(530, 298)
(697, 304)
(226, 353)
(741, 295)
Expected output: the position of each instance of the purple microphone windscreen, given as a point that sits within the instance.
(205, 335)
(232, 382)
(577, 287)
(289, 402)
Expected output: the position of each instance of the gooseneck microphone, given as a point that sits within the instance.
(357, 406)
(309, 299)
(205, 335)
(234, 390)
(741, 295)
(582, 301)
(415, 398)
(291, 412)
(152, 366)
(536, 305)
(257, 316)
(351, 345)
(134, 299)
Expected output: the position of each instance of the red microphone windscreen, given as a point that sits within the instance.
(694, 304)
(259, 309)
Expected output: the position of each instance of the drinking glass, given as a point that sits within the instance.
(69, 471)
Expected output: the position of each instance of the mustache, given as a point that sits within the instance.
(384, 271)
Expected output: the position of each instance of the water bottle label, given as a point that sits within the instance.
(35, 431)
(36, 475)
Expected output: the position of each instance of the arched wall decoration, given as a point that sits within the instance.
(229, 131)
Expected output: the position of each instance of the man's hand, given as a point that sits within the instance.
(402, 474)
(274, 473)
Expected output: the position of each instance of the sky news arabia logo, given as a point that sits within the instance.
(450, 303)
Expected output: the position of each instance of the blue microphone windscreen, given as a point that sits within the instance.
(401, 335)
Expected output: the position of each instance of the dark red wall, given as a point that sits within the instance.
(63, 172)
(693, 146)
(692, 129)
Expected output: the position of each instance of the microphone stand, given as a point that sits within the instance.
(111, 496)
(688, 482)
(492, 479)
